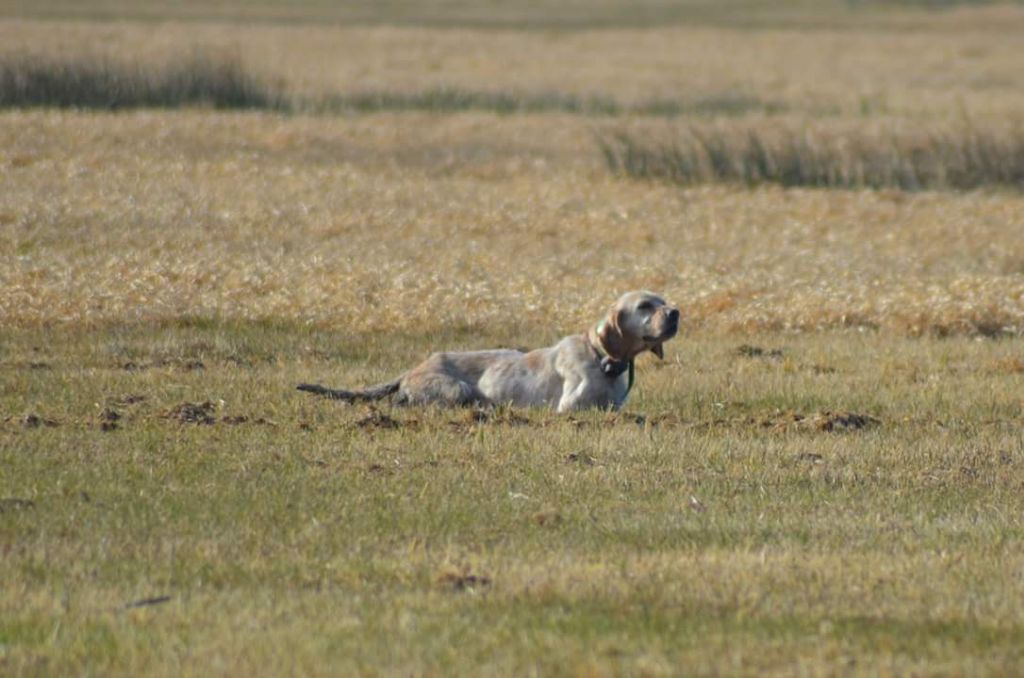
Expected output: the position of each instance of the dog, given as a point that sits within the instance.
(593, 369)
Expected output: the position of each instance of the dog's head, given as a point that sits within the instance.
(638, 322)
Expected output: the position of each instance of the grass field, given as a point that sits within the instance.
(825, 476)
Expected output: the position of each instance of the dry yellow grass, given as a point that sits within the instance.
(478, 218)
(426, 220)
(834, 502)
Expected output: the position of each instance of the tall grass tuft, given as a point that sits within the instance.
(452, 99)
(98, 83)
(202, 80)
(837, 155)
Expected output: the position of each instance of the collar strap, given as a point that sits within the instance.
(611, 367)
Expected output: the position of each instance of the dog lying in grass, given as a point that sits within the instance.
(592, 369)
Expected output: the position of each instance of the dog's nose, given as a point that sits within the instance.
(673, 315)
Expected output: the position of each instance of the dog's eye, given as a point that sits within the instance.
(645, 306)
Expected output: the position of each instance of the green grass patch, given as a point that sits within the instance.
(684, 532)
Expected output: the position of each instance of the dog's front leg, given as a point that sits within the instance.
(573, 391)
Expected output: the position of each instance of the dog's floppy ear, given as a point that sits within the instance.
(616, 318)
(658, 351)
(610, 333)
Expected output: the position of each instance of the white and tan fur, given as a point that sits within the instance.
(567, 376)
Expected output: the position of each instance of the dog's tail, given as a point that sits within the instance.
(376, 392)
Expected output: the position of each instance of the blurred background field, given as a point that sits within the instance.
(399, 165)
(202, 204)
(817, 59)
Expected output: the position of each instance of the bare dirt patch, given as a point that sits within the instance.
(378, 469)
(547, 518)
(462, 578)
(237, 419)
(581, 458)
(15, 504)
(610, 420)
(826, 421)
(750, 351)
(180, 364)
(192, 413)
(109, 418)
(502, 416)
(1010, 365)
(126, 400)
(33, 420)
(374, 419)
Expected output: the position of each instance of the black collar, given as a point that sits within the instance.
(610, 367)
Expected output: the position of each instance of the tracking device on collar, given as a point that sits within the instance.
(613, 368)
